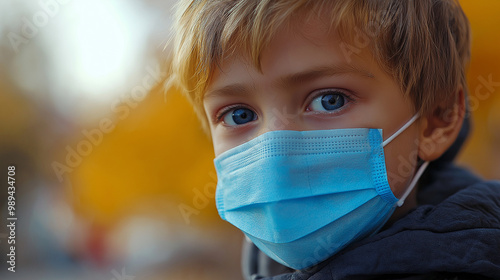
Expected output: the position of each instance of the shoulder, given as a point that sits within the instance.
(479, 200)
(432, 276)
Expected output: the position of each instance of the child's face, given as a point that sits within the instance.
(309, 81)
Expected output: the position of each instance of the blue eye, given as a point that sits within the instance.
(239, 116)
(328, 102)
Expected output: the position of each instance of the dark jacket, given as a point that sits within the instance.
(454, 233)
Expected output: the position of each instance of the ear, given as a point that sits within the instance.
(440, 128)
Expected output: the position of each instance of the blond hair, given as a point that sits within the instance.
(423, 44)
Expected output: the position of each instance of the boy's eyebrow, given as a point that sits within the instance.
(323, 71)
(233, 89)
(294, 79)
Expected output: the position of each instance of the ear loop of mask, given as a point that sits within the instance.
(413, 183)
(420, 170)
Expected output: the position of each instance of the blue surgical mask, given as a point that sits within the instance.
(302, 196)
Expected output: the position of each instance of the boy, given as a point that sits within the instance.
(324, 115)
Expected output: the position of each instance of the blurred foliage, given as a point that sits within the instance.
(156, 160)
(482, 152)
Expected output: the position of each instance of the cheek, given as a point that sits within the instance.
(220, 145)
(218, 149)
(401, 159)
(223, 140)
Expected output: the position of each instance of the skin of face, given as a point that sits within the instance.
(303, 65)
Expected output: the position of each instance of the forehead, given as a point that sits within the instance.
(298, 49)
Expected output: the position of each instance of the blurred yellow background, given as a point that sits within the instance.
(127, 185)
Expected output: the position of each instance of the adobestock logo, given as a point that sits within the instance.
(31, 26)
(93, 137)
(483, 91)
(324, 249)
(121, 276)
(201, 199)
